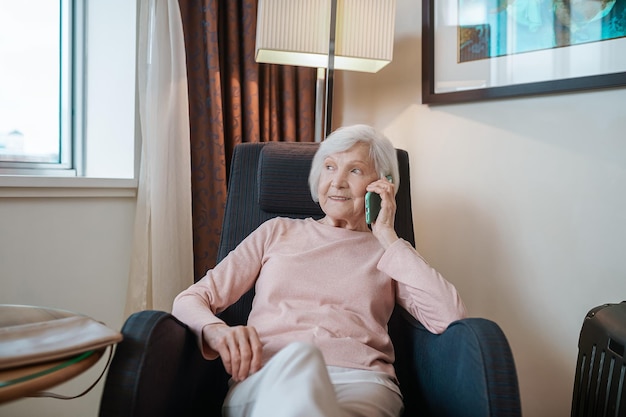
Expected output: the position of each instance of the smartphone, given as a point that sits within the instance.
(372, 205)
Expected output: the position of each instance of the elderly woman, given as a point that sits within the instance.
(316, 341)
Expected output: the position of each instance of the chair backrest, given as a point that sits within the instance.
(271, 179)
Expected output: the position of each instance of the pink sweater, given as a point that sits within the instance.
(328, 286)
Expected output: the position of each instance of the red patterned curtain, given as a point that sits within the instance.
(232, 99)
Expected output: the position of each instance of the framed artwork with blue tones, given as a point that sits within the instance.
(489, 49)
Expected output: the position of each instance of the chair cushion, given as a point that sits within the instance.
(283, 178)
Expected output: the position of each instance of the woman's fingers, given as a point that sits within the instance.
(386, 191)
(383, 227)
(257, 351)
(246, 353)
(239, 348)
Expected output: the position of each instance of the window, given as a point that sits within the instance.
(95, 112)
(36, 100)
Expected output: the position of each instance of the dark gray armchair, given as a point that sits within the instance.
(158, 370)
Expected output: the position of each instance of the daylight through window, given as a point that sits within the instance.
(35, 85)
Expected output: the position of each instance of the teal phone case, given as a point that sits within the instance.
(372, 204)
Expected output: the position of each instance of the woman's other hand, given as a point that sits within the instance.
(239, 347)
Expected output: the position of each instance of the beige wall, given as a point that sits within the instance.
(68, 253)
(520, 203)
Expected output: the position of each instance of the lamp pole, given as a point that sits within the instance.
(330, 71)
(324, 83)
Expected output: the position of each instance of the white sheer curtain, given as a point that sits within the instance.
(162, 257)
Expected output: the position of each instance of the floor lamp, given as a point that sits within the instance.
(353, 35)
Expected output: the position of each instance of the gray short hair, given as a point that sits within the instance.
(382, 153)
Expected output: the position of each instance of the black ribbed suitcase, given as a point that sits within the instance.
(600, 372)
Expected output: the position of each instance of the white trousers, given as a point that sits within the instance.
(296, 382)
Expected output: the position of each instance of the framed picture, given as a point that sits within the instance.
(488, 49)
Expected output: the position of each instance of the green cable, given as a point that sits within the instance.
(65, 364)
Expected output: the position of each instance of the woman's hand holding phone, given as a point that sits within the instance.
(373, 202)
(380, 210)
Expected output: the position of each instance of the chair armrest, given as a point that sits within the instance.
(157, 370)
(468, 370)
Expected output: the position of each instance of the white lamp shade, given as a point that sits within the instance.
(296, 32)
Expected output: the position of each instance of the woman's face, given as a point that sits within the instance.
(341, 188)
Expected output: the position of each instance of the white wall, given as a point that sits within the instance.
(520, 203)
(110, 88)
